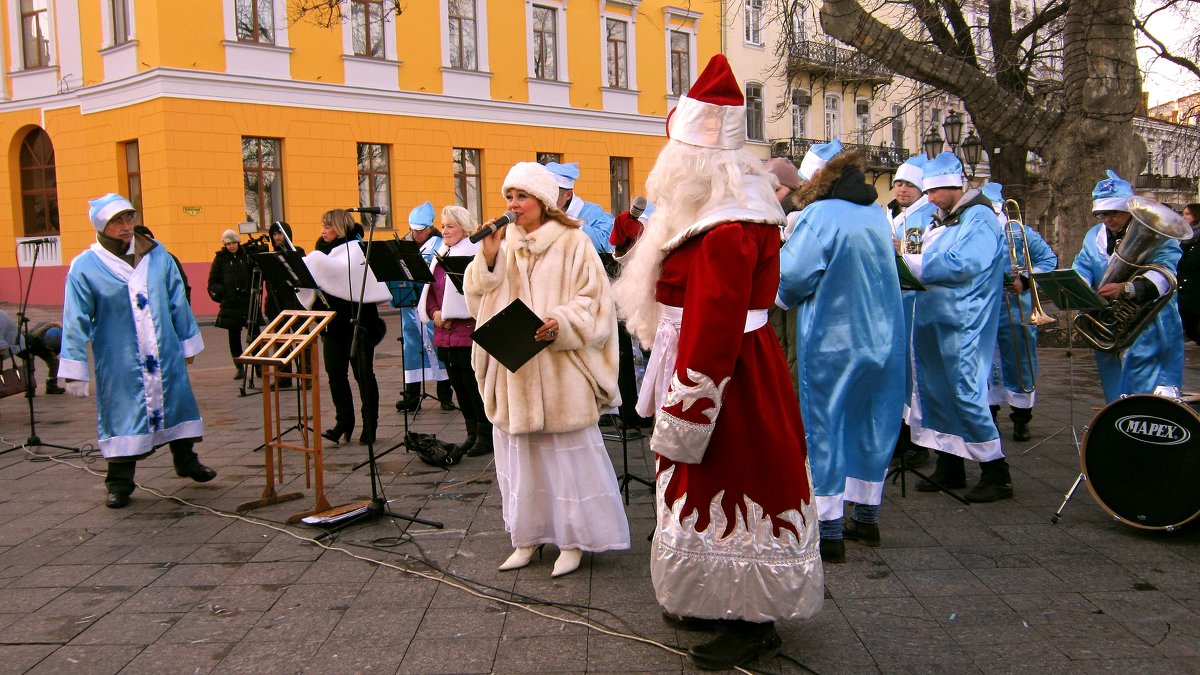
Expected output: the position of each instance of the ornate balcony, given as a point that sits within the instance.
(1153, 181)
(881, 159)
(839, 63)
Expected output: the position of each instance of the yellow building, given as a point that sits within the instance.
(209, 114)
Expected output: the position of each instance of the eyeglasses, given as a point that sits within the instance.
(1101, 215)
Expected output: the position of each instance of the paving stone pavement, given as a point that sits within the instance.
(184, 586)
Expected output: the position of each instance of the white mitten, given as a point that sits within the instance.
(77, 388)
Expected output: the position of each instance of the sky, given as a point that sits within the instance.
(1165, 81)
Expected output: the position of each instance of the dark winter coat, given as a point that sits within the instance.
(1188, 273)
(229, 284)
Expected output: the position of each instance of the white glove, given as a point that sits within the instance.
(77, 388)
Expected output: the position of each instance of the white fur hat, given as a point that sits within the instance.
(534, 179)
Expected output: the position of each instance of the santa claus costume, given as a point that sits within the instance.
(735, 548)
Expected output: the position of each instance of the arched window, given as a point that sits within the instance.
(39, 186)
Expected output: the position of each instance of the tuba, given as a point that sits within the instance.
(1022, 266)
(1116, 326)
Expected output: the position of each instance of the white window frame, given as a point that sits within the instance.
(799, 114)
(613, 99)
(107, 22)
(863, 124)
(480, 35)
(470, 83)
(762, 112)
(368, 71)
(833, 116)
(677, 19)
(752, 18)
(562, 74)
(17, 43)
(258, 59)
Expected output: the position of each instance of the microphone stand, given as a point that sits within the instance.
(26, 356)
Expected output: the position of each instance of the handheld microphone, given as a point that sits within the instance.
(373, 210)
(500, 222)
(36, 242)
(638, 208)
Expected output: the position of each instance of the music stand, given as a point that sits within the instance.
(903, 468)
(1069, 292)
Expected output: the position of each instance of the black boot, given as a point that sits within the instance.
(1020, 418)
(412, 398)
(187, 463)
(833, 551)
(367, 436)
(995, 483)
(739, 642)
(483, 440)
(472, 435)
(445, 395)
(52, 386)
(119, 483)
(951, 474)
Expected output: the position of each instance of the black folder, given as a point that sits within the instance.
(508, 335)
(456, 267)
(1067, 290)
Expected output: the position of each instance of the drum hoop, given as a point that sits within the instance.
(1083, 462)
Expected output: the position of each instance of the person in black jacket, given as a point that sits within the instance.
(229, 284)
(187, 288)
(1189, 276)
(281, 297)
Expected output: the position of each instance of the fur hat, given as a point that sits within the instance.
(230, 237)
(421, 217)
(785, 171)
(1111, 193)
(943, 171)
(565, 174)
(817, 157)
(534, 179)
(103, 209)
(912, 171)
(713, 112)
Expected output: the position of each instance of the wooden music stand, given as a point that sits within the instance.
(289, 336)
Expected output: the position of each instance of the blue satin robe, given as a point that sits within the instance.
(1015, 370)
(839, 268)
(919, 214)
(954, 335)
(597, 223)
(420, 356)
(142, 331)
(1155, 359)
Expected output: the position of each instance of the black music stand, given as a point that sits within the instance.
(903, 468)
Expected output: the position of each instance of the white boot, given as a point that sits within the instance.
(519, 558)
(568, 561)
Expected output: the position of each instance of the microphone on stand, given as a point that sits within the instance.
(372, 210)
(500, 222)
(638, 208)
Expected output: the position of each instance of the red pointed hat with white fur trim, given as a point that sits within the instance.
(713, 112)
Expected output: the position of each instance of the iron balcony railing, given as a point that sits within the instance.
(879, 157)
(1153, 181)
(837, 62)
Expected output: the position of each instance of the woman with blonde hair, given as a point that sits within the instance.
(442, 305)
(556, 480)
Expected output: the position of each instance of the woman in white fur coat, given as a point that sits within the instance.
(556, 480)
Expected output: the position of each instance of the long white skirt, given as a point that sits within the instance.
(560, 489)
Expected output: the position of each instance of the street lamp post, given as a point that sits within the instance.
(972, 150)
(932, 143)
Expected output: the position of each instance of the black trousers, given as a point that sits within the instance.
(119, 479)
(462, 379)
(235, 341)
(338, 360)
(1191, 324)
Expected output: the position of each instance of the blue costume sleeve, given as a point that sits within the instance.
(598, 225)
(970, 256)
(802, 261)
(79, 311)
(1088, 261)
(1040, 253)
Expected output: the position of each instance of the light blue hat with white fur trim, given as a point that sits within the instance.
(817, 157)
(1110, 194)
(421, 217)
(564, 174)
(943, 171)
(102, 209)
(912, 171)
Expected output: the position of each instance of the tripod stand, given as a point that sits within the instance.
(903, 468)
(253, 314)
(26, 356)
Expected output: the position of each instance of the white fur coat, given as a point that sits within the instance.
(557, 273)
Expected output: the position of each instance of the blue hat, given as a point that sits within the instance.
(817, 157)
(565, 174)
(911, 171)
(1110, 194)
(421, 217)
(103, 209)
(995, 192)
(943, 171)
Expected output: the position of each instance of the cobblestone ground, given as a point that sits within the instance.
(177, 583)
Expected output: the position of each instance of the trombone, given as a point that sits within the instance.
(1021, 266)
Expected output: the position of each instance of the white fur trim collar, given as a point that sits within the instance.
(536, 243)
(759, 206)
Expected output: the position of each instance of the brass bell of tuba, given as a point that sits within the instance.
(1022, 266)
(1116, 326)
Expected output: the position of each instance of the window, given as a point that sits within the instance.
(462, 34)
(754, 16)
(39, 185)
(467, 182)
(35, 33)
(754, 112)
(545, 43)
(374, 179)
(833, 117)
(618, 182)
(618, 53)
(133, 176)
(255, 21)
(862, 117)
(547, 157)
(799, 32)
(897, 127)
(681, 59)
(366, 28)
(800, 102)
(262, 168)
(120, 22)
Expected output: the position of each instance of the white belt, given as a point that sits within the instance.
(661, 365)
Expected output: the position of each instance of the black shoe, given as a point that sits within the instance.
(866, 534)
(408, 405)
(447, 406)
(336, 432)
(833, 551)
(483, 441)
(54, 389)
(740, 642)
(197, 472)
(690, 623)
(365, 438)
(241, 374)
(117, 500)
(984, 493)
(916, 457)
(1020, 431)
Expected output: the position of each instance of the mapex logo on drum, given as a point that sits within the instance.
(1154, 430)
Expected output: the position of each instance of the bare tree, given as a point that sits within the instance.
(328, 13)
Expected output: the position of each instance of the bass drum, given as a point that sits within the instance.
(1141, 457)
